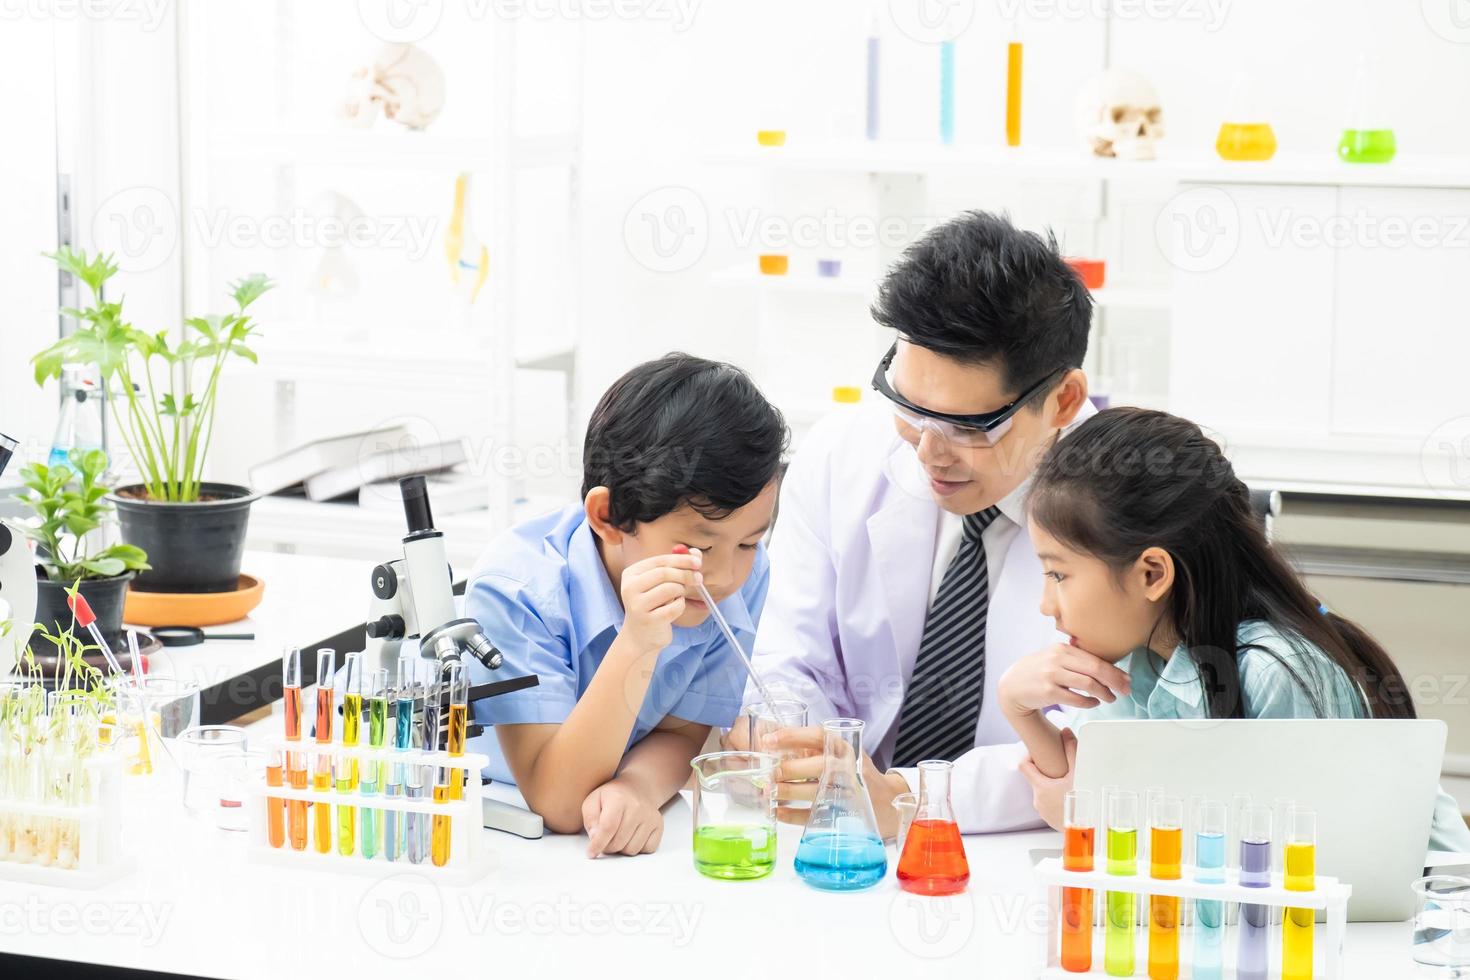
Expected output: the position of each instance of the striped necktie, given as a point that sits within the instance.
(941, 704)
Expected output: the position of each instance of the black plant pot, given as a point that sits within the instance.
(193, 547)
(104, 595)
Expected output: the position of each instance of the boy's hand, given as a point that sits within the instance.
(653, 597)
(1059, 674)
(619, 821)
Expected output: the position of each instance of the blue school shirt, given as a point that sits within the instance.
(543, 597)
(1172, 689)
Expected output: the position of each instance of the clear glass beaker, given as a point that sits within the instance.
(933, 861)
(735, 814)
(841, 849)
(1442, 924)
(200, 749)
(764, 719)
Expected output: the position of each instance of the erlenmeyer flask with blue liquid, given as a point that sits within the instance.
(841, 849)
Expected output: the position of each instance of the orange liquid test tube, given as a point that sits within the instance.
(1013, 93)
(295, 761)
(321, 779)
(1078, 836)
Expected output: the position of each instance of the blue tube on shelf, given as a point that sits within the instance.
(873, 57)
(946, 92)
(1209, 916)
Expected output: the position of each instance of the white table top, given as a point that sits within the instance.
(199, 905)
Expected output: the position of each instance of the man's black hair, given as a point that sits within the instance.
(682, 430)
(977, 289)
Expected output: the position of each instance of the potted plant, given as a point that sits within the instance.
(69, 503)
(164, 398)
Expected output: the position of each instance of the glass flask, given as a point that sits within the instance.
(1245, 134)
(1367, 137)
(735, 814)
(933, 858)
(841, 849)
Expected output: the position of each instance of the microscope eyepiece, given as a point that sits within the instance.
(415, 490)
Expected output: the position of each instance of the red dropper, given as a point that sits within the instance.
(81, 609)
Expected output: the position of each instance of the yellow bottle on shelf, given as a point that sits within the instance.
(1245, 135)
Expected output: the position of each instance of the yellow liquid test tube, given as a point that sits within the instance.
(347, 770)
(1166, 843)
(1013, 93)
(452, 786)
(322, 775)
(1300, 864)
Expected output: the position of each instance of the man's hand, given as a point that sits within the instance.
(653, 597)
(1059, 674)
(800, 771)
(1047, 794)
(620, 821)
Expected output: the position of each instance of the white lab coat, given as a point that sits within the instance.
(852, 557)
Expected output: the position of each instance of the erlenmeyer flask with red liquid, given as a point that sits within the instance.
(933, 860)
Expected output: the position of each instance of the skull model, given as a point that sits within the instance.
(402, 81)
(1118, 115)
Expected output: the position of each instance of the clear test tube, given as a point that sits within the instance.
(321, 778)
(1122, 858)
(1252, 959)
(1166, 833)
(1280, 807)
(1300, 864)
(1079, 821)
(1209, 866)
(429, 742)
(1240, 803)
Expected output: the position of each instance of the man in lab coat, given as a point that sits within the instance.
(903, 580)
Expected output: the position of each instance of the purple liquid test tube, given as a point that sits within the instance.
(1253, 954)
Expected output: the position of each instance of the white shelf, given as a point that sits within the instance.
(432, 357)
(387, 146)
(1173, 166)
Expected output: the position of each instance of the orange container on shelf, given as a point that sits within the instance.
(1092, 272)
(775, 265)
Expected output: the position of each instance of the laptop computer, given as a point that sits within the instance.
(1371, 782)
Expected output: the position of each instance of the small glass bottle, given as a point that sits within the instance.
(80, 423)
(841, 849)
(1245, 134)
(933, 860)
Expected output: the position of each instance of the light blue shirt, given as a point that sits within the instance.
(1172, 689)
(543, 597)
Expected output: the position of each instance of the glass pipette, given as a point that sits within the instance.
(724, 626)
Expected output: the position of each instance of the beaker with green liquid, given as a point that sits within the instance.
(1367, 138)
(735, 814)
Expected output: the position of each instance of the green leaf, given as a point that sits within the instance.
(79, 525)
(248, 289)
(104, 567)
(132, 556)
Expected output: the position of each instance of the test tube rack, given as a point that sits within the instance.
(469, 860)
(1329, 895)
(100, 857)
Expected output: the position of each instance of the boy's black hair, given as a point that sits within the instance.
(978, 289)
(681, 430)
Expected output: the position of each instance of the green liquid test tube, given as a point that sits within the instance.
(372, 771)
(1118, 944)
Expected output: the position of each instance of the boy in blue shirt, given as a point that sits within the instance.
(592, 599)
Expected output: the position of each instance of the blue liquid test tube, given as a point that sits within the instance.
(1253, 956)
(874, 51)
(1209, 866)
(946, 92)
(397, 824)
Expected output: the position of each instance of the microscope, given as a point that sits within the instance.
(17, 583)
(413, 598)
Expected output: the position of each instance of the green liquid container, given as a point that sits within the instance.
(1366, 146)
(734, 852)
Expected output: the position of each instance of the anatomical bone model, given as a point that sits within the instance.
(1119, 115)
(402, 82)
